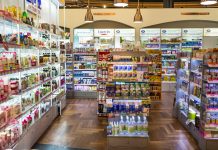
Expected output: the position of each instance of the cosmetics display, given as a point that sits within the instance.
(31, 74)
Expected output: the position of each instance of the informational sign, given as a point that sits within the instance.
(171, 32)
(124, 32)
(210, 31)
(150, 32)
(83, 32)
(192, 32)
(33, 2)
(103, 32)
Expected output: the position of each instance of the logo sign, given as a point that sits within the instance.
(83, 32)
(192, 32)
(124, 32)
(103, 32)
(150, 32)
(171, 32)
(210, 31)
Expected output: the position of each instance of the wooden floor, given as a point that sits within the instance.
(79, 127)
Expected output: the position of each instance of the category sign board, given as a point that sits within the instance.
(83, 32)
(192, 32)
(210, 31)
(124, 32)
(150, 32)
(171, 32)
(103, 32)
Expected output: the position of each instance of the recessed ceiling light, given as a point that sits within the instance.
(104, 6)
(208, 2)
(120, 3)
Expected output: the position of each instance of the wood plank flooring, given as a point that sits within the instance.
(79, 127)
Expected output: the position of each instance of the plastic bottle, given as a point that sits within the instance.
(145, 124)
(121, 125)
(139, 125)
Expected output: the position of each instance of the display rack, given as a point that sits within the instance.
(30, 71)
(121, 74)
(196, 96)
(124, 39)
(209, 110)
(150, 39)
(104, 39)
(170, 46)
(84, 64)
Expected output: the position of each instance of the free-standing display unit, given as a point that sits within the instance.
(30, 71)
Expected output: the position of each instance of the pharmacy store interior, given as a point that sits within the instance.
(94, 78)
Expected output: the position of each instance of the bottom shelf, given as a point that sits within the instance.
(85, 94)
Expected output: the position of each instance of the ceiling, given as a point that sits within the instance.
(133, 4)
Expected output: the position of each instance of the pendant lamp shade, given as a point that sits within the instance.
(138, 16)
(208, 2)
(89, 16)
(120, 3)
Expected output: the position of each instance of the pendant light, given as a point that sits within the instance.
(89, 16)
(138, 16)
(120, 3)
(208, 2)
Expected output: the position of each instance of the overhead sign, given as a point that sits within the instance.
(83, 32)
(124, 32)
(171, 32)
(150, 32)
(192, 32)
(210, 31)
(103, 32)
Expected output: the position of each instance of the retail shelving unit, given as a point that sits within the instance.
(209, 108)
(30, 72)
(127, 82)
(104, 39)
(121, 74)
(124, 39)
(150, 38)
(197, 96)
(84, 64)
(170, 46)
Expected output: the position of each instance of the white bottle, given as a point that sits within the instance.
(121, 125)
(139, 125)
(145, 124)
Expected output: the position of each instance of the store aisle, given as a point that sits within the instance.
(79, 127)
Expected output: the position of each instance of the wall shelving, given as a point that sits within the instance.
(30, 71)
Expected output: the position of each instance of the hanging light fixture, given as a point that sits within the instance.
(89, 16)
(138, 16)
(208, 2)
(120, 3)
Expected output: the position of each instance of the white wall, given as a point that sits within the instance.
(75, 17)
